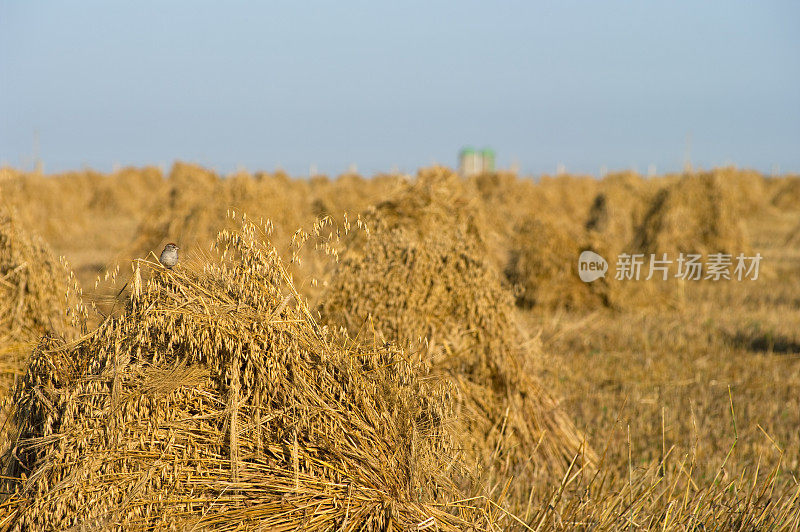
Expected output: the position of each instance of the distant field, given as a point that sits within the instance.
(399, 352)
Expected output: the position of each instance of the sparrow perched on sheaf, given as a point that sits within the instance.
(169, 257)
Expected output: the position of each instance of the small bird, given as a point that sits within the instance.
(169, 257)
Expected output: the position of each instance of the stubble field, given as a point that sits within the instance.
(396, 352)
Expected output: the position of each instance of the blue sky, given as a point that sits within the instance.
(382, 85)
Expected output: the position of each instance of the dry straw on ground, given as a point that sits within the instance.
(198, 201)
(440, 299)
(215, 401)
(785, 192)
(87, 215)
(34, 296)
(542, 268)
(618, 211)
(144, 415)
(38, 295)
(421, 279)
(695, 214)
(437, 200)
